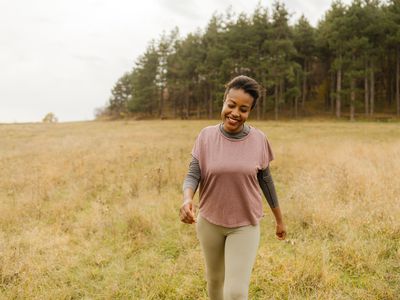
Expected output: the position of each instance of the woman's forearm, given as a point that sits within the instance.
(278, 214)
(188, 194)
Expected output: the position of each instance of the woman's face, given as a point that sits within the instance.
(236, 109)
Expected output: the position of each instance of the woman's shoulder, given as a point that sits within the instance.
(209, 129)
(258, 132)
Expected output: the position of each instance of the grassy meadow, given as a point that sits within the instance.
(90, 211)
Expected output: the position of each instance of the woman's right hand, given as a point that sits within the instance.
(187, 212)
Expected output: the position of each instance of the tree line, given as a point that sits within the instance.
(348, 64)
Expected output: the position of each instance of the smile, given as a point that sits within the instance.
(232, 121)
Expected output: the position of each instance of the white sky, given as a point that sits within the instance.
(64, 56)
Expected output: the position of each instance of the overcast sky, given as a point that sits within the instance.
(63, 56)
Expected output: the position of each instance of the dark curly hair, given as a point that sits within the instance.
(245, 83)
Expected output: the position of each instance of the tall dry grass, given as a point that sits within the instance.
(90, 210)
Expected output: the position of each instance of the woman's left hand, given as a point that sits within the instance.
(280, 231)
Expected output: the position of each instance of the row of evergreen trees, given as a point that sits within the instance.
(349, 63)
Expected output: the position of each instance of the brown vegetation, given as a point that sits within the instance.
(90, 210)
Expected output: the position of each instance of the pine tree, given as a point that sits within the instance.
(304, 41)
(121, 94)
(392, 17)
(332, 31)
(144, 77)
(281, 52)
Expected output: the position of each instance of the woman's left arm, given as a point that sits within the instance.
(267, 186)
(280, 226)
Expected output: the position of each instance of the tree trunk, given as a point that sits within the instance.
(366, 89)
(331, 92)
(161, 105)
(181, 104)
(352, 98)
(210, 105)
(281, 91)
(372, 94)
(205, 101)
(198, 108)
(296, 98)
(173, 97)
(188, 95)
(338, 91)
(264, 102)
(391, 85)
(276, 100)
(398, 81)
(304, 89)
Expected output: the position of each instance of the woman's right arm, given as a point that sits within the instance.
(191, 182)
(187, 210)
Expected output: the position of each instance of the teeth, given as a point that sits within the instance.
(233, 120)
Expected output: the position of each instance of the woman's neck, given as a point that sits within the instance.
(235, 135)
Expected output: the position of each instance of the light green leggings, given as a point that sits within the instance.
(229, 256)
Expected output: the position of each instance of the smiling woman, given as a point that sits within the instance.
(240, 97)
(231, 161)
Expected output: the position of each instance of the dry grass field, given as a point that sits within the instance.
(90, 211)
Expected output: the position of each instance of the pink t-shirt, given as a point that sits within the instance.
(229, 191)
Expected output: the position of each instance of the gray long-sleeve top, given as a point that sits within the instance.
(264, 177)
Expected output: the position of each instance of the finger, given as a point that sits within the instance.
(185, 218)
(189, 212)
(281, 235)
(188, 221)
(182, 214)
(185, 210)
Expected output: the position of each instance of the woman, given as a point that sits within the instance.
(230, 161)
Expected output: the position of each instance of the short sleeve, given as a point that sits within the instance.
(267, 156)
(196, 147)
